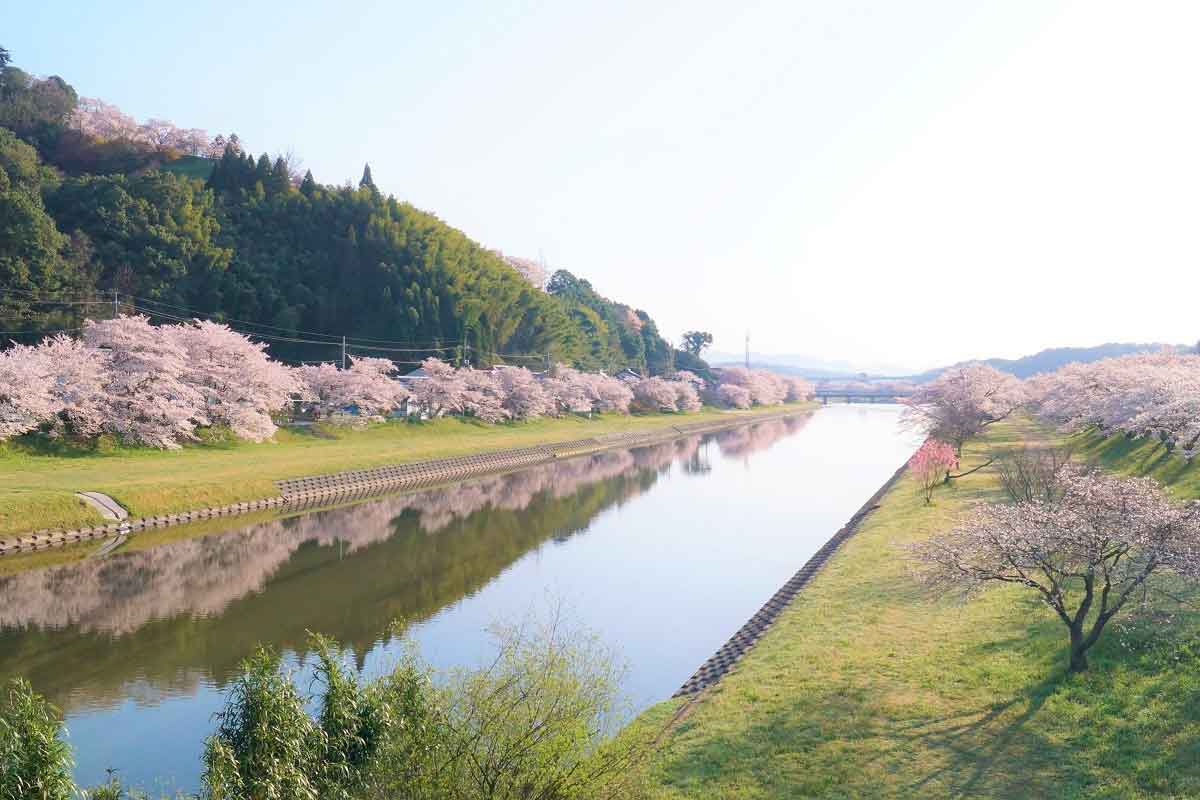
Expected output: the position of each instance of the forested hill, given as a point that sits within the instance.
(180, 225)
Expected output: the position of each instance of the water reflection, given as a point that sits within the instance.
(142, 625)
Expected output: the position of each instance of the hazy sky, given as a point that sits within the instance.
(893, 182)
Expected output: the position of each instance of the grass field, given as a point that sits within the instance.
(37, 486)
(866, 687)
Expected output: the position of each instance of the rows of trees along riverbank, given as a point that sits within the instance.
(157, 386)
(96, 207)
(1019, 619)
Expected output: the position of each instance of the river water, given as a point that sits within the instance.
(663, 551)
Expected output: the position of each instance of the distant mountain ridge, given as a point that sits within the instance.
(1052, 358)
(1046, 360)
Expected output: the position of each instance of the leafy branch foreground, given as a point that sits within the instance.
(534, 724)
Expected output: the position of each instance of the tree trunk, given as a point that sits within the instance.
(1079, 662)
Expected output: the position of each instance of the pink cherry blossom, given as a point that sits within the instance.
(1094, 547)
(930, 465)
(962, 401)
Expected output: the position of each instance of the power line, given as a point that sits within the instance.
(335, 336)
(443, 344)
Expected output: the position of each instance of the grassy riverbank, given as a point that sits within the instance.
(867, 688)
(37, 487)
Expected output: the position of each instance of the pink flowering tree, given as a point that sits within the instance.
(241, 386)
(687, 399)
(442, 389)
(765, 388)
(609, 394)
(570, 389)
(146, 397)
(963, 401)
(79, 373)
(524, 395)
(1099, 547)
(798, 390)
(483, 395)
(734, 396)
(321, 384)
(26, 396)
(1147, 395)
(370, 385)
(367, 385)
(655, 394)
(930, 465)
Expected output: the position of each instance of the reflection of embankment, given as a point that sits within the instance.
(193, 608)
(166, 618)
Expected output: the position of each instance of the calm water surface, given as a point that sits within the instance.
(664, 551)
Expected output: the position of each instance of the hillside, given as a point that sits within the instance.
(1052, 358)
(97, 206)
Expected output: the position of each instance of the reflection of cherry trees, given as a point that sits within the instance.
(202, 576)
(165, 620)
(738, 442)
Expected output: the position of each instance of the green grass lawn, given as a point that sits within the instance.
(867, 687)
(37, 487)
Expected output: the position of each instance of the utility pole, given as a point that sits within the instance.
(343, 352)
(114, 302)
(747, 348)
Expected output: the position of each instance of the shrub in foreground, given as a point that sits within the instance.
(534, 723)
(35, 762)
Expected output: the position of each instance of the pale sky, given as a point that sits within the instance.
(908, 183)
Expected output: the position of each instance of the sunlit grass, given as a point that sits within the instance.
(38, 481)
(868, 688)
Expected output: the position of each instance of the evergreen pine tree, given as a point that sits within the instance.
(280, 181)
(367, 182)
(262, 170)
(308, 186)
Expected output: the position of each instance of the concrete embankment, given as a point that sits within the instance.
(304, 493)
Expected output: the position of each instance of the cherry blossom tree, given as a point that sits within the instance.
(570, 389)
(441, 390)
(962, 401)
(370, 386)
(656, 394)
(798, 390)
(78, 372)
(147, 400)
(930, 465)
(240, 384)
(26, 391)
(610, 394)
(765, 388)
(483, 395)
(1153, 395)
(734, 396)
(367, 384)
(1094, 551)
(524, 395)
(687, 399)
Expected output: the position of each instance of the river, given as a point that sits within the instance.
(663, 551)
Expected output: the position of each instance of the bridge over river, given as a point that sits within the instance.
(882, 394)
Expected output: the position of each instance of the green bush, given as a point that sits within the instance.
(35, 762)
(534, 724)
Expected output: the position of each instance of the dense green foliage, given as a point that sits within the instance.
(236, 240)
(35, 762)
(533, 725)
